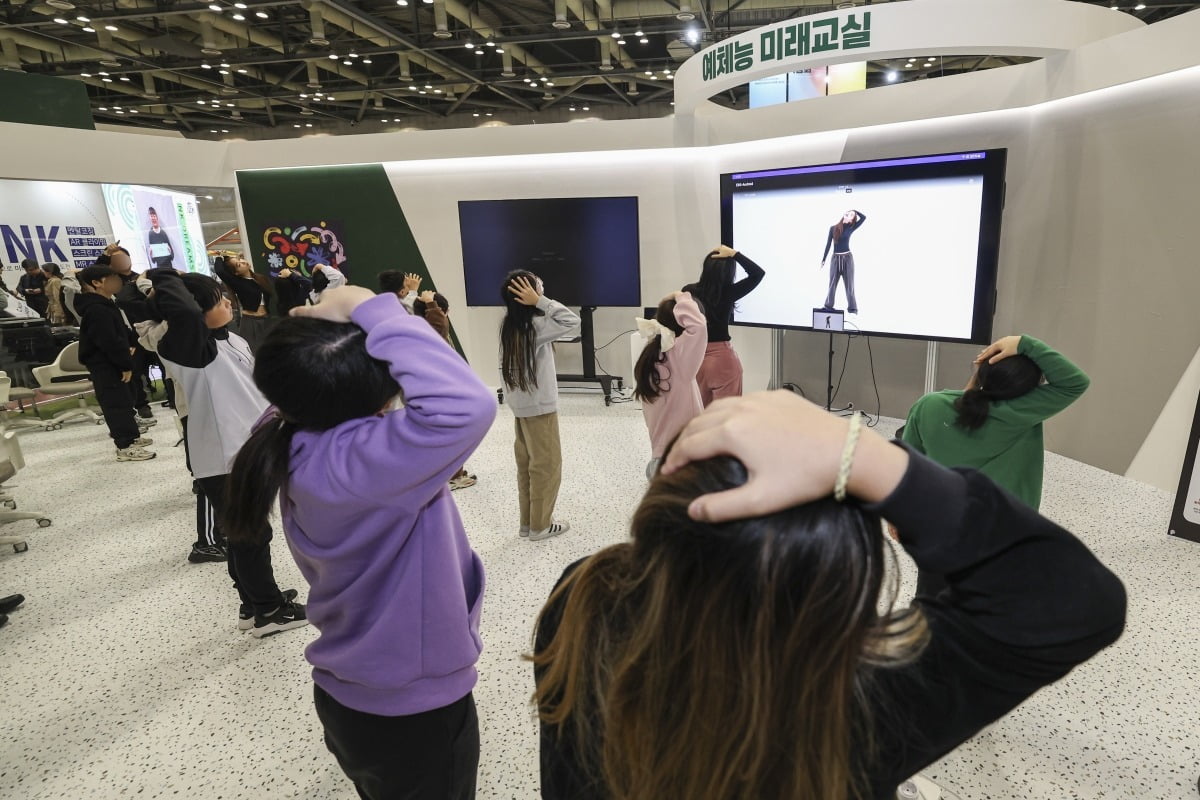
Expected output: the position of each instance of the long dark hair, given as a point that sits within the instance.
(648, 383)
(716, 276)
(53, 269)
(318, 375)
(770, 625)
(517, 340)
(1004, 380)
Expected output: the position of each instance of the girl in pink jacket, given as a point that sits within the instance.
(666, 371)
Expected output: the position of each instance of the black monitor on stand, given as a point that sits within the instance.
(587, 340)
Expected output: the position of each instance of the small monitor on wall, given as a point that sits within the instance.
(585, 249)
(905, 247)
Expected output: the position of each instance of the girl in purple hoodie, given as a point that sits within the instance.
(395, 588)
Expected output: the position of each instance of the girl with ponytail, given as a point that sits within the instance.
(395, 589)
(665, 373)
(995, 423)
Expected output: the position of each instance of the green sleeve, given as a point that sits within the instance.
(1065, 382)
(912, 433)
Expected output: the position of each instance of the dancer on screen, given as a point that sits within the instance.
(721, 371)
(843, 260)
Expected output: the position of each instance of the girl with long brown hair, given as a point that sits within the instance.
(842, 267)
(744, 643)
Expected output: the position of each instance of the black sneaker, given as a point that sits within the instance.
(10, 603)
(208, 552)
(144, 412)
(287, 616)
(246, 613)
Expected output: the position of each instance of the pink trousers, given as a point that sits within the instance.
(720, 373)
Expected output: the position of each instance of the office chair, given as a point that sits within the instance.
(66, 376)
(8, 392)
(12, 462)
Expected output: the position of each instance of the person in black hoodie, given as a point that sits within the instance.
(106, 347)
(32, 286)
(132, 302)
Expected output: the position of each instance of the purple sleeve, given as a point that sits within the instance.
(447, 412)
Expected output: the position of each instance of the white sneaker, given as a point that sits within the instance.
(135, 453)
(142, 441)
(524, 531)
(144, 423)
(554, 530)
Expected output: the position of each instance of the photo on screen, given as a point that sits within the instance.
(159, 227)
(585, 249)
(902, 247)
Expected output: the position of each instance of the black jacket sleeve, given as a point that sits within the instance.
(187, 341)
(108, 333)
(1026, 603)
(828, 244)
(754, 276)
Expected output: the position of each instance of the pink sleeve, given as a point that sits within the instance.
(688, 352)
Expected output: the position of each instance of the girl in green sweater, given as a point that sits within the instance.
(995, 424)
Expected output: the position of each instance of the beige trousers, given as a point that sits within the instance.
(539, 469)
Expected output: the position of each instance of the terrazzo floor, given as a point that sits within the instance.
(123, 675)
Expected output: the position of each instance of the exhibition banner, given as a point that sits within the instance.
(1185, 516)
(159, 227)
(54, 222)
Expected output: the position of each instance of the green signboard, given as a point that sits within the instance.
(810, 37)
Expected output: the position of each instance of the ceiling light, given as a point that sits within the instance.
(470, 45)
(212, 130)
(62, 21)
(333, 57)
(215, 7)
(205, 66)
(240, 17)
(82, 18)
(227, 105)
(366, 61)
(133, 111)
(102, 108)
(297, 125)
(489, 113)
(587, 108)
(692, 35)
(120, 112)
(303, 97)
(427, 2)
(223, 71)
(308, 124)
(224, 131)
(644, 40)
(125, 77)
(115, 107)
(242, 6)
(107, 80)
(412, 88)
(241, 72)
(110, 27)
(348, 63)
(88, 29)
(616, 34)
(422, 92)
(262, 15)
(63, 5)
(1139, 7)
(478, 52)
(548, 83)
(892, 76)
(666, 72)
(489, 44)
(437, 91)
(909, 66)
(201, 102)
(85, 74)
(330, 98)
(352, 55)
(572, 108)
(429, 86)
(223, 64)
(621, 42)
(401, 2)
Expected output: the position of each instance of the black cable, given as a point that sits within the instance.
(613, 339)
(878, 402)
(842, 374)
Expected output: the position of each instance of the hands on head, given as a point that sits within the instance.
(426, 297)
(722, 251)
(412, 282)
(791, 449)
(523, 291)
(336, 304)
(1002, 348)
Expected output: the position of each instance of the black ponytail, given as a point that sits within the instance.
(647, 381)
(648, 384)
(972, 408)
(1005, 380)
(258, 474)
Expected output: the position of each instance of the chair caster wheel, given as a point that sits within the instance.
(44, 522)
(20, 547)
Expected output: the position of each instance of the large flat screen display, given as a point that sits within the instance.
(585, 249)
(159, 227)
(904, 247)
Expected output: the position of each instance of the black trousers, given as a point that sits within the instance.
(249, 564)
(116, 401)
(429, 756)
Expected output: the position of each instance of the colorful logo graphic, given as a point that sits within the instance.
(301, 247)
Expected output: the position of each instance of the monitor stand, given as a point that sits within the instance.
(587, 340)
